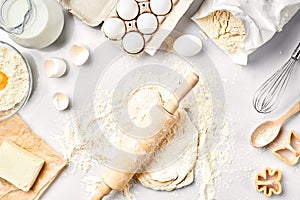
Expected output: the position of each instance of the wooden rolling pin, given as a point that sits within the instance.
(117, 180)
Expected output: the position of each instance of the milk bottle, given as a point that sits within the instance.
(32, 23)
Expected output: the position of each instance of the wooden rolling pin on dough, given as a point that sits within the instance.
(117, 180)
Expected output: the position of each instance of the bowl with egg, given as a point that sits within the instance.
(15, 81)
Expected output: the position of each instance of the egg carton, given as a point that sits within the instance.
(162, 15)
(90, 12)
(142, 25)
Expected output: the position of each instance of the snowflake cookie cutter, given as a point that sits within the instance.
(290, 152)
(268, 182)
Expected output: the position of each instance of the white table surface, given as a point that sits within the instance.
(239, 84)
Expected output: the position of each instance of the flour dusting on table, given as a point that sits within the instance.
(214, 162)
(81, 146)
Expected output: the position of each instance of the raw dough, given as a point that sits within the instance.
(179, 150)
(175, 160)
(184, 146)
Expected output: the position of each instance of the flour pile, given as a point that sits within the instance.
(249, 23)
(14, 67)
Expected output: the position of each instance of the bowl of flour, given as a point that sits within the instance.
(15, 81)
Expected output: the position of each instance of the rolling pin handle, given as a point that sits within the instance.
(186, 86)
(102, 191)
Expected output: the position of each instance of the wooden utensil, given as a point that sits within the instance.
(117, 180)
(265, 133)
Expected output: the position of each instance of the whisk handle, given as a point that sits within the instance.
(296, 54)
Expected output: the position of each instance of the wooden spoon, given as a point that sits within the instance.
(265, 133)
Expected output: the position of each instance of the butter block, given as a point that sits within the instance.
(18, 166)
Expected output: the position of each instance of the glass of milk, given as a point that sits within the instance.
(32, 23)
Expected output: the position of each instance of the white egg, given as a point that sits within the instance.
(133, 42)
(55, 67)
(127, 9)
(187, 45)
(114, 28)
(161, 7)
(78, 54)
(60, 101)
(147, 23)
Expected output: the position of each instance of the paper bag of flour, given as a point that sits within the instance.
(239, 27)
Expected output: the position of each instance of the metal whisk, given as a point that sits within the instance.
(268, 96)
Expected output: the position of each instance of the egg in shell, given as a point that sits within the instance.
(160, 7)
(147, 23)
(114, 28)
(133, 42)
(127, 9)
(187, 45)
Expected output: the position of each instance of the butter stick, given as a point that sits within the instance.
(18, 166)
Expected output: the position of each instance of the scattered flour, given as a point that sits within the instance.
(81, 146)
(90, 183)
(73, 147)
(213, 161)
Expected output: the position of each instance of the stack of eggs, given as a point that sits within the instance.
(133, 22)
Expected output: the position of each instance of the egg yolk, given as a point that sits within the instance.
(3, 80)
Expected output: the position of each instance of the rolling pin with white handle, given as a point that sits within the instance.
(117, 180)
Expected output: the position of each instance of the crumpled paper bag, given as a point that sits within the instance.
(16, 131)
(261, 18)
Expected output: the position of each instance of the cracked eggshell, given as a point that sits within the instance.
(55, 67)
(114, 28)
(147, 23)
(160, 7)
(78, 54)
(60, 101)
(187, 45)
(133, 42)
(127, 9)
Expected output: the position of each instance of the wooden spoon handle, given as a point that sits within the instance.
(291, 112)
